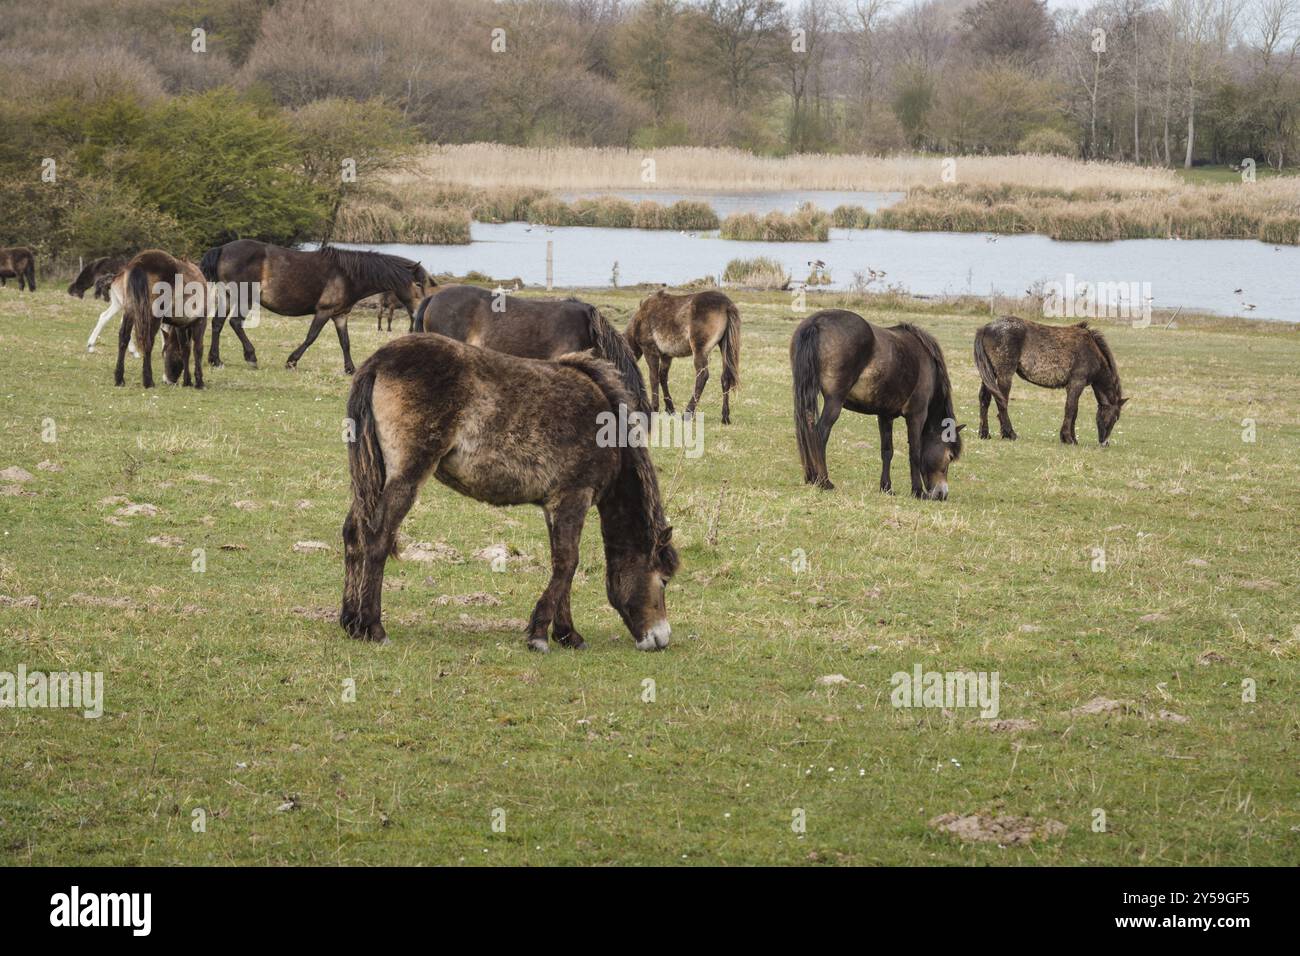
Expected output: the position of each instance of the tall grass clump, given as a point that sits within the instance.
(757, 273)
(807, 224)
(850, 217)
(374, 221)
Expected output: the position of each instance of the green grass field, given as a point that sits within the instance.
(225, 691)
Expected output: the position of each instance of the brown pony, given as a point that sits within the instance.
(674, 326)
(325, 284)
(388, 302)
(95, 270)
(1053, 356)
(148, 289)
(530, 328)
(18, 262)
(889, 373)
(506, 431)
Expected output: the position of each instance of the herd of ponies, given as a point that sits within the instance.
(498, 398)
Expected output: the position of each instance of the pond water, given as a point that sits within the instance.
(1195, 274)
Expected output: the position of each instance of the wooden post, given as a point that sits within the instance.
(550, 264)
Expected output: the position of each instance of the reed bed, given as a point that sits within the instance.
(690, 168)
(375, 221)
(757, 273)
(807, 224)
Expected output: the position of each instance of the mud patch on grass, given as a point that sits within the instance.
(1002, 830)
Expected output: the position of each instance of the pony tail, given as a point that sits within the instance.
(633, 334)
(137, 306)
(365, 457)
(988, 376)
(419, 312)
(210, 264)
(731, 349)
(614, 348)
(806, 366)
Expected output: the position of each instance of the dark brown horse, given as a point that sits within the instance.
(506, 431)
(158, 290)
(94, 270)
(530, 328)
(666, 327)
(18, 262)
(324, 284)
(388, 303)
(1053, 356)
(890, 373)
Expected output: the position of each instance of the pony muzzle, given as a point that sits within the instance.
(656, 639)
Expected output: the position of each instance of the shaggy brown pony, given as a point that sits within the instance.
(150, 299)
(530, 328)
(889, 373)
(18, 262)
(1053, 356)
(506, 431)
(324, 284)
(95, 270)
(674, 326)
(388, 303)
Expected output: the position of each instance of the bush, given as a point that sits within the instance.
(850, 217)
(758, 273)
(1046, 141)
(805, 225)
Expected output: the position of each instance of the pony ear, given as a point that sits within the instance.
(1122, 401)
(960, 427)
(668, 533)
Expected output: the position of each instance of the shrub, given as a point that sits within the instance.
(757, 273)
(1046, 141)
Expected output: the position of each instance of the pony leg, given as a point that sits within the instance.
(104, 318)
(196, 351)
(317, 323)
(985, 397)
(1075, 389)
(237, 326)
(146, 353)
(701, 378)
(1004, 417)
(665, 364)
(564, 521)
(652, 363)
(375, 547)
(915, 424)
(831, 409)
(726, 408)
(886, 452)
(214, 350)
(123, 337)
(341, 327)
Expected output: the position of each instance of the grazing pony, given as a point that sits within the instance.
(388, 303)
(324, 284)
(530, 328)
(889, 373)
(674, 326)
(18, 262)
(1053, 356)
(93, 271)
(156, 289)
(506, 431)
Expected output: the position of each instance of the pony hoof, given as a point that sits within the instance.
(1010, 436)
(984, 433)
(573, 640)
(216, 363)
(291, 365)
(825, 484)
(539, 644)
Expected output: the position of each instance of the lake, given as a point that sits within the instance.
(1223, 276)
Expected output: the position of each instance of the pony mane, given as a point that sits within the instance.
(374, 268)
(941, 402)
(636, 458)
(1104, 347)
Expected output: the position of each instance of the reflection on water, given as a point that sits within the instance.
(1201, 274)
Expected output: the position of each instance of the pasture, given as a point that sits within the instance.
(232, 690)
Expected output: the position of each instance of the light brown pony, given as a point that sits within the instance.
(666, 327)
(1052, 356)
(506, 431)
(157, 289)
(18, 262)
(389, 303)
